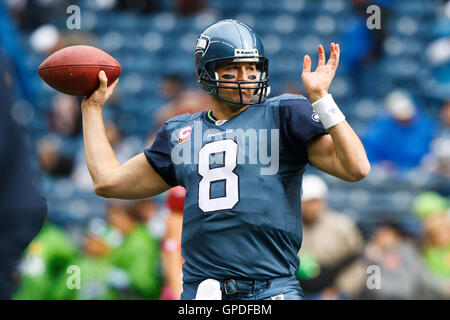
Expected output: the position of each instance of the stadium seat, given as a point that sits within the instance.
(164, 21)
(294, 6)
(284, 24)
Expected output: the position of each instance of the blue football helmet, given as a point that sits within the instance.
(230, 40)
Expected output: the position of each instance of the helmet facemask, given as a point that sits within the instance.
(209, 80)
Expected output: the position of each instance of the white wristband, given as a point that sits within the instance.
(328, 111)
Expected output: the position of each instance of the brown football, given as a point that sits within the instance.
(74, 70)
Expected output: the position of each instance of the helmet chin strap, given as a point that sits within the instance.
(266, 93)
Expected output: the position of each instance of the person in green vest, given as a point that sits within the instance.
(44, 267)
(139, 252)
(434, 209)
(99, 278)
(436, 250)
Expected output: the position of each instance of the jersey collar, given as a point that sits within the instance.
(210, 118)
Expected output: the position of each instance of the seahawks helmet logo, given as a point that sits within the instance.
(202, 44)
(315, 117)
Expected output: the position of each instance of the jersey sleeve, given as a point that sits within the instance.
(299, 124)
(158, 155)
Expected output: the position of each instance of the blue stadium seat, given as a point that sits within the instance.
(126, 21)
(284, 24)
(406, 26)
(325, 24)
(293, 6)
(253, 6)
(271, 7)
(132, 82)
(152, 41)
(335, 7)
(164, 21)
(112, 41)
(416, 7)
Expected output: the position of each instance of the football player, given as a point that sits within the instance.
(241, 164)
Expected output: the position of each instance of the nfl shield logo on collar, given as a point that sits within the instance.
(185, 134)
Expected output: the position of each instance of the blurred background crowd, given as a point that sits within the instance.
(386, 237)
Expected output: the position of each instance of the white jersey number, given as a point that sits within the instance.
(224, 173)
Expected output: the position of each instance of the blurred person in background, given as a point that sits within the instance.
(171, 245)
(333, 243)
(138, 254)
(100, 279)
(399, 141)
(187, 101)
(171, 86)
(64, 118)
(43, 270)
(24, 78)
(357, 38)
(364, 45)
(434, 211)
(438, 159)
(153, 216)
(51, 158)
(22, 207)
(429, 203)
(403, 274)
(436, 249)
(170, 90)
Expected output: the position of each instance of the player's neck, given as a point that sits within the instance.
(225, 111)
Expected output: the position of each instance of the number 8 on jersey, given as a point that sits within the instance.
(224, 173)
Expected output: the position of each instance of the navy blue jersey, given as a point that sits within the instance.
(242, 215)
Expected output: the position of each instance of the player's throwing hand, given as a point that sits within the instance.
(317, 83)
(103, 92)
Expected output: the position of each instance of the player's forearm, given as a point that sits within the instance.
(350, 151)
(99, 154)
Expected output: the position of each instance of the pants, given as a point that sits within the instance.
(284, 288)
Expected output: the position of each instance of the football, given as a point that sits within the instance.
(74, 70)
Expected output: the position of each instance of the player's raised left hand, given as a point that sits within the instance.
(317, 83)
